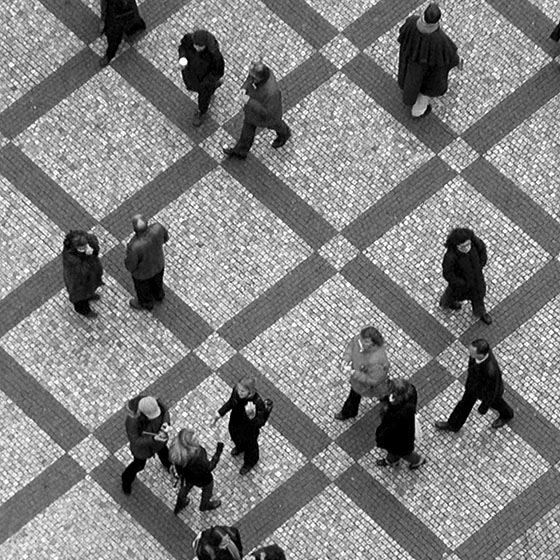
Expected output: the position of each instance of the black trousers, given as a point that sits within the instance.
(149, 290)
(477, 302)
(205, 94)
(463, 408)
(249, 447)
(351, 404)
(205, 498)
(138, 465)
(248, 136)
(82, 307)
(116, 30)
(555, 35)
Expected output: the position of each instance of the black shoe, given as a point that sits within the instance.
(236, 451)
(384, 463)
(455, 306)
(244, 470)
(103, 62)
(126, 486)
(230, 152)
(485, 318)
(135, 304)
(279, 141)
(212, 504)
(498, 423)
(342, 417)
(422, 461)
(443, 426)
(95, 297)
(197, 119)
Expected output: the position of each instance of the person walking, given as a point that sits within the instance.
(270, 552)
(119, 18)
(145, 261)
(193, 468)
(263, 108)
(463, 263)
(82, 270)
(484, 383)
(426, 57)
(202, 68)
(396, 433)
(147, 427)
(219, 542)
(248, 415)
(366, 361)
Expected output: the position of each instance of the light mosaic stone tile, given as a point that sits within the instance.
(25, 452)
(103, 143)
(333, 461)
(213, 144)
(301, 353)
(89, 453)
(490, 72)
(215, 351)
(541, 541)
(548, 7)
(339, 51)
(279, 460)
(530, 156)
(342, 157)
(338, 251)
(28, 239)
(458, 155)
(469, 477)
(531, 355)
(107, 240)
(332, 526)
(24, 66)
(228, 247)
(411, 252)
(243, 30)
(341, 13)
(93, 366)
(84, 523)
(455, 358)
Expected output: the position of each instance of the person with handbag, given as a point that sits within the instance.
(397, 431)
(366, 361)
(218, 543)
(192, 468)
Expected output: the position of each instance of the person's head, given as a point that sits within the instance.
(246, 387)
(183, 447)
(479, 348)
(273, 552)
(460, 239)
(371, 337)
(258, 71)
(432, 14)
(399, 391)
(139, 223)
(77, 241)
(148, 406)
(201, 39)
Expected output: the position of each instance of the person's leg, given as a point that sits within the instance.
(114, 37)
(82, 307)
(447, 300)
(156, 286)
(129, 474)
(204, 97)
(182, 498)
(504, 410)
(163, 455)
(350, 406)
(144, 296)
(245, 141)
(390, 460)
(283, 134)
(206, 501)
(479, 310)
(461, 412)
(421, 106)
(251, 456)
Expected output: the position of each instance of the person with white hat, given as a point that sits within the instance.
(147, 427)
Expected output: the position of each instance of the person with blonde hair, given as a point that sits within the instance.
(193, 468)
(248, 416)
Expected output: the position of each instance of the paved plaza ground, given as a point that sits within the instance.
(272, 264)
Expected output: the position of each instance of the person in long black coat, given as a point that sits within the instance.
(484, 383)
(193, 468)
(82, 270)
(426, 57)
(396, 433)
(463, 264)
(119, 18)
(202, 68)
(248, 415)
(219, 542)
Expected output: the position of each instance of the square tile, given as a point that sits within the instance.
(85, 362)
(343, 12)
(83, 523)
(28, 239)
(339, 150)
(333, 461)
(338, 252)
(103, 143)
(469, 477)
(89, 453)
(455, 359)
(339, 51)
(490, 72)
(458, 155)
(301, 353)
(24, 67)
(411, 253)
(26, 451)
(243, 30)
(530, 156)
(332, 526)
(215, 351)
(227, 249)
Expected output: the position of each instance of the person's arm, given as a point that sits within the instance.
(131, 260)
(184, 46)
(228, 405)
(165, 234)
(217, 68)
(135, 435)
(93, 243)
(260, 413)
(481, 248)
(449, 270)
(491, 387)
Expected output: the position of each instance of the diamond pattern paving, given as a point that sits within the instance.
(273, 263)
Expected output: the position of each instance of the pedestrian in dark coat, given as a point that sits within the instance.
(145, 261)
(270, 552)
(426, 56)
(147, 427)
(82, 270)
(218, 543)
(555, 35)
(193, 468)
(463, 265)
(396, 433)
(484, 383)
(248, 415)
(119, 17)
(263, 108)
(202, 66)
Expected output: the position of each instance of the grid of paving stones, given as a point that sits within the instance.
(273, 263)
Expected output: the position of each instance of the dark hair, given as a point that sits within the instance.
(373, 334)
(432, 14)
(75, 238)
(457, 236)
(481, 346)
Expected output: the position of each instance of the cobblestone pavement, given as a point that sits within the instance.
(273, 263)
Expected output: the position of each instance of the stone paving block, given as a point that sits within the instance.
(338, 252)
(89, 453)
(333, 461)
(458, 155)
(339, 51)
